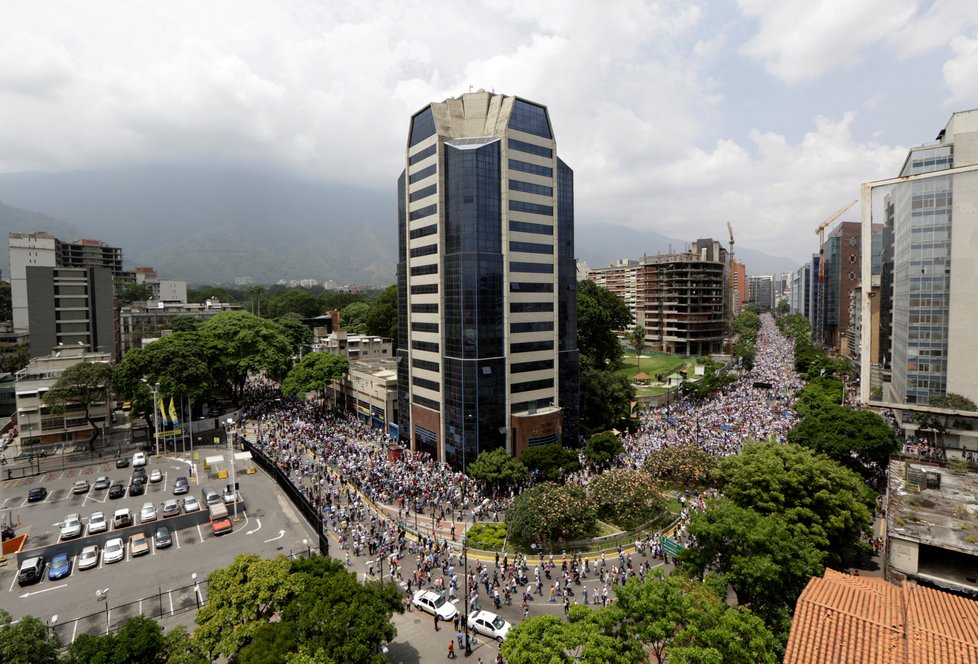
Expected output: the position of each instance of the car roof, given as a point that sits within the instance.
(90, 547)
(60, 556)
(30, 562)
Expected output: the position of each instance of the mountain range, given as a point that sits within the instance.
(210, 226)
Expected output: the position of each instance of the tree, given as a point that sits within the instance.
(28, 642)
(140, 640)
(240, 343)
(637, 339)
(6, 302)
(240, 599)
(681, 465)
(498, 468)
(293, 300)
(353, 317)
(201, 295)
(626, 498)
(941, 423)
(599, 314)
(859, 440)
(782, 308)
(13, 357)
(549, 513)
(829, 502)
(298, 333)
(85, 384)
(605, 400)
(184, 324)
(129, 293)
(766, 561)
(315, 373)
(603, 448)
(180, 649)
(550, 462)
(581, 639)
(381, 320)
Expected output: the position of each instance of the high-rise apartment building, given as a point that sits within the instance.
(929, 283)
(487, 316)
(738, 286)
(761, 289)
(680, 299)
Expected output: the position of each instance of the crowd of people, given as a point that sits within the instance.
(758, 406)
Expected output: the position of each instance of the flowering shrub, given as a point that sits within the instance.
(487, 536)
(681, 465)
(549, 513)
(626, 498)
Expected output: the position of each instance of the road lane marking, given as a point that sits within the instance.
(38, 592)
(255, 530)
(281, 534)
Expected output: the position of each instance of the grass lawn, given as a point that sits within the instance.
(605, 529)
(650, 391)
(651, 363)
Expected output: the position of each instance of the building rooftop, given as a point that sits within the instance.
(842, 618)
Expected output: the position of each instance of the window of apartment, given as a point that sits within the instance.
(527, 227)
(523, 146)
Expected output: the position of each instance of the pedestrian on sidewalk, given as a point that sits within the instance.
(451, 649)
(437, 618)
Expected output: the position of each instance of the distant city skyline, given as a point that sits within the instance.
(678, 117)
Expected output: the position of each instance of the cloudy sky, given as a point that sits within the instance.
(676, 116)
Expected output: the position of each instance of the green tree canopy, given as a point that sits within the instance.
(547, 639)
(28, 642)
(681, 465)
(381, 320)
(859, 440)
(315, 373)
(6, 303)
(637, 340)
(298, 333)
(498, 468)
(549, 513)
(599, 314)
(129, 293)
(243, 344)
(550, 462)
(603, 448)
(940, 423)
(85, 383)
(829, 502)
(766, 561)
(293, 300)
(184, 324)
(605, 400)
(626, 498)
(353, 318)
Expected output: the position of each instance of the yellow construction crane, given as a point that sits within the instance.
(820, 232)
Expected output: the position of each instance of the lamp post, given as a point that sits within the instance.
(155, 391)
(104, 595)
(53, 624)
(305, 543)
(465, 619)
(193, 577)
(231, 429)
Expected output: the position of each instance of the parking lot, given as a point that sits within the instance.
(267, 525)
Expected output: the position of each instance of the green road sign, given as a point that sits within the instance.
(671, 546)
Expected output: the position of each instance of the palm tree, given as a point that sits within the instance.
(637, 339)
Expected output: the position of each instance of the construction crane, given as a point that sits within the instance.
(820, 232)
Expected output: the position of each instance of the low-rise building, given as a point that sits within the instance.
(369, 389)
(354, 346)
(38, 426)
(144, 322)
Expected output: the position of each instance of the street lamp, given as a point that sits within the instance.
(53, 623)
(193, 577)
(465, 624)
(155, 390)
(231, 431)
(305, 543)
(104, 595)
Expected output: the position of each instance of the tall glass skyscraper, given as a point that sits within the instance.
(487, 314)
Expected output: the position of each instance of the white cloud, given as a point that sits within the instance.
(798, 40)
(961, 71)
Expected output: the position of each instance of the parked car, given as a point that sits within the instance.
(97, 523)
(117, 491)
(138, 545)
(139, 475)
(230, 496)
(434, 603)
(210, 496)
(190, 504)
(37, 494)
(181, 486)
(137, 489)
(102, 482)
(80, 487)
(114, 551)
(30, 570)
(162, 537)
(147, 513)
(138, 459)
(71, 527)
(60, 567)
(122, 462)
(122, 518)
(170, 508)
(489, 624)
(88, 557)
(156, 475)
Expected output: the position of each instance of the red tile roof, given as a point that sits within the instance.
(841, 619)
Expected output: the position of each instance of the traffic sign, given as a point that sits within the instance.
(671, 546)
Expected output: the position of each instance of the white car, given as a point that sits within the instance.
(71, 527)
(114, 551)
(80, 487)
(489, 624)
(147, 513)
(97, 523)
(88, 557)
(138, 459)
(190, 504)
(155, 475)
(435, 604)
(102, 482)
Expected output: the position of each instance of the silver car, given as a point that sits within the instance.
(88, 557)
(190, 504)
(114, 551)
(147, 513)
(170, 508)
(97, 523)
(71, 527)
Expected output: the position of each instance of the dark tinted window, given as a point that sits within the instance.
(523, 146)
(424, 154)
(423, 126)
(531, 247)
(527, 227)
(527, 167)
(525, 117)
(423, 173)
(530, 188)
(539, 268)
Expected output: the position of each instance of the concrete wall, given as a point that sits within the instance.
(904, 555)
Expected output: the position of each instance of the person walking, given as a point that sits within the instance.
(451, 649)
(437, 618)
